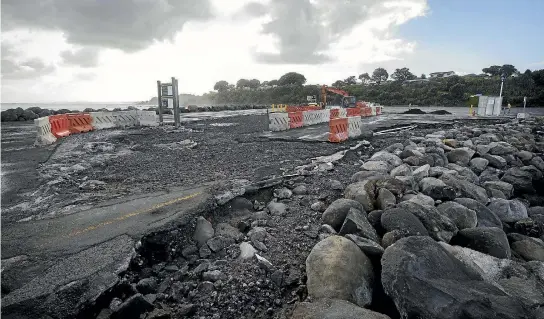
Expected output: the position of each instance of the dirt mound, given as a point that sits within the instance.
(414, 111)
(440, 112)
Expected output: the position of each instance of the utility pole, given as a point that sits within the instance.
(502, 83)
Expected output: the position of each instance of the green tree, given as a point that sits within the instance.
(254, 83)
(365, 78)
(242, 83)
(538, 77)
(221, 86)
(339, 84)
(457, 90)
(493, 70)
(380, 75)
(292, 78)
(351, 80)
(423, 76)
(401, 75)
(508, 70)
(273, 82)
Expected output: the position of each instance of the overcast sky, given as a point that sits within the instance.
(116, 50)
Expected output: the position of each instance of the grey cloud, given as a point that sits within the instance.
(31, 68)
(307, 29)
(87, 76)
(86, 57)
(129, 25)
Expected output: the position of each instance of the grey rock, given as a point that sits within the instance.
(535, 210)
(488, 240)
(460, 155)
(189, 251)
(277, 277)
(508, 210)
(421, 172)
(333, 309)
(438, 226)
(327, 229)
(277, 209)
(391, 159)
(258, 233)
(462, 216)
(506, 189)
(300, 190)
(478, 164)
(538, 162)
(409, 182)
(374, 218)
(461, 289)
(147, 285)
(412, 160)
(464, 173)
(202, 267)
(336, 268)
(363, 175)
(335, 214)
(282, 193)
(501, 148)
(422, 199)
(335, 185)
(357, 223)
(358, 192)
(436, 189)
(529, 249)
(377, 166)
(218, 243)
(486, 218)
(490, 174)
(133, 307)
(437, 171)
(204, 251)
(204, 231)
(159, 314)
(402, 170)
(394, 147)
(259, 245)
(495, 160)
(318, 206)
(410, 153)
(524, 155)
(392, 184)
(205, 287)
(536, 174)
(482, 149)
(367, 246)
(213, 275)
(246, 251)
(385, 199)
(397, 219)
(226, 230)
(465, 188)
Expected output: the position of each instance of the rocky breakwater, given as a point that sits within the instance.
(447, 225)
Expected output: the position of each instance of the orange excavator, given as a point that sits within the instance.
(347, 100)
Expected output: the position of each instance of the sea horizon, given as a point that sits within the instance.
(79, 106)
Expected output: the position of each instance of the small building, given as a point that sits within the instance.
(438, 75)
(416, 81)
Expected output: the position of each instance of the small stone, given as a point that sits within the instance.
(243, 225)
(277, 209)
(283, 193)
(206, 287)
(327, 229)
(277, 277)
(186, 309)
(202, 267)
(204, 231)
(318, 207)
(335, 185)
(259, 245)
(264, 263)
(213, 275)
(171, 268)
(204, 251)
(147, 285)
(300, 190)
(246, 251)
(133, 307)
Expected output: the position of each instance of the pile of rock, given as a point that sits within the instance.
(450, 225)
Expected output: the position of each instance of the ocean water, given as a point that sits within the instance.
(76, 106)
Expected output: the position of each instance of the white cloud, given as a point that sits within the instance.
(202, 53)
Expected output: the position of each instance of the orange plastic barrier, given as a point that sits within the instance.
(80, 122)
(60, 127)
(338, 130)
(353, 111)
(366, 111)
(296, 119)
(335, 113)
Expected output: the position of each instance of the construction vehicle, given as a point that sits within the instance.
(347, 101)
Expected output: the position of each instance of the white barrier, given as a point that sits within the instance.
(148, 118)
(103, 120)
(342, 112)
(278, 121)
(126, 118)
(44, 135)
(354, 126)
(373, 108)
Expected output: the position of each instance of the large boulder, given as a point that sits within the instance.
(486, 218)
(421, 199)
(425, 281)
(357, 223)
(337, 211)
(403, 222)
(537, 162)
(362, 194)
(392, 159)
(504, 189)
(421, 172)
(495, 160)
(464, 173)
(488, 240)
(377, 166)
(363, 175)
(478, 164)
(203, 231)
(436, 189)
(490, 174)
(529, 248)
(501, 148)
(462, 216)
(508, 211)
(438, 225)
(336, 268)
(385, 199)
(465, 188)
(402, 170)
(333, 309)
(460, 155)
(520, 179)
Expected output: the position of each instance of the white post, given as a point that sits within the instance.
(524, 103)
(502, 82)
